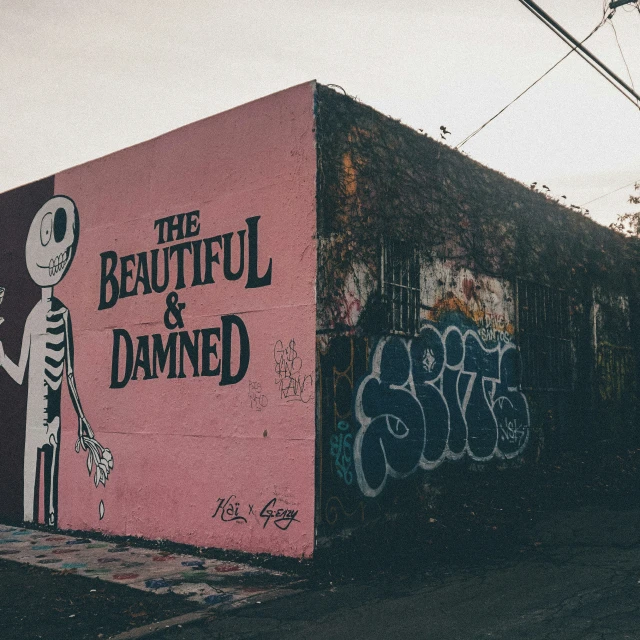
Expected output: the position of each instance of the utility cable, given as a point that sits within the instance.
(611, 192)
(615, 33)
(533, 84)
(584, 53)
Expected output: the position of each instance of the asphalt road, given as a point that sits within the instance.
(39, 603)
(581, 582)
(578, 579)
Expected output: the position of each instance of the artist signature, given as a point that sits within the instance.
(230, 510)
(282, 518)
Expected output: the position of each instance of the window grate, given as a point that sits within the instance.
(401, 287)
(544, 336)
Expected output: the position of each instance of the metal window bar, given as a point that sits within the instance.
(401, 288)
(544, 336)
(616, 373)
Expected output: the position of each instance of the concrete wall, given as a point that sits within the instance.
(526, 342)
(394, 407)
(199, 391)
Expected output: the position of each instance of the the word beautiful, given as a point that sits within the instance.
(209, 351)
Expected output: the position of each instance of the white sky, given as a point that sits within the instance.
(83, 78)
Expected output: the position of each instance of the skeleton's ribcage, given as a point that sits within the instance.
(55, 349)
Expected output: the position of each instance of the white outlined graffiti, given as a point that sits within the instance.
(435, 397)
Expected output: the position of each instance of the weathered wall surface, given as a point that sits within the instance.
(392, 406)
(616, 382)
(192, 302)
(525, 341)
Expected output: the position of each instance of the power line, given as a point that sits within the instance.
(619, 3)
(610, 193)
(479, 129)
(584, 53)
(615, 33)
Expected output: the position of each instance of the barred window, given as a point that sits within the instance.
(544, 336)
(615, 366)
(401, 287)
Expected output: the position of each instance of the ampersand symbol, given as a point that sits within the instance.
(174, 309)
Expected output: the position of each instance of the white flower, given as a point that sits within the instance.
(98, 457)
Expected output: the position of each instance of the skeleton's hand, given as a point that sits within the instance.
(84, 430)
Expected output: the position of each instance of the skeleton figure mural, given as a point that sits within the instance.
(47, 347)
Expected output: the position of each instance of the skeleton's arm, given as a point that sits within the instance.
(16, 371)
(83, 425)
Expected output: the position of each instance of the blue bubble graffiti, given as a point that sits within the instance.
(435, 397)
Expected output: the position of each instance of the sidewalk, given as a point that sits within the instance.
(205, 584)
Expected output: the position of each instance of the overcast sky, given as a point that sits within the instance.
(81, 78)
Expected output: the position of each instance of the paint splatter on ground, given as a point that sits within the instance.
(203, 580)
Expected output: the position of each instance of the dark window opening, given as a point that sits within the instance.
(544, 336)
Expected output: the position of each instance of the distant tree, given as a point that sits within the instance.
(629, 223)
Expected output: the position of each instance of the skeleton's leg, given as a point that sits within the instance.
(31, 453)
(52, 452)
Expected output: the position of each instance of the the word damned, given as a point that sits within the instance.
(229, 509)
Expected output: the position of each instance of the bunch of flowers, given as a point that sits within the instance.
(98, 456)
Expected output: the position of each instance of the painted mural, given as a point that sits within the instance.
(343, 360)
(191, 289)
(392, 405)
(47, 351)
(452, 391)
(439, 396)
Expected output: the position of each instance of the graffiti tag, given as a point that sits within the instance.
(258, 401)
(494, 328)
(289, 379)
(438, 396)
(282, 518)
(341, 450)
(228, 510)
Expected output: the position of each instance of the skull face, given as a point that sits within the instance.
(52, 241)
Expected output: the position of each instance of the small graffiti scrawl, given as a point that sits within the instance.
(292, 383)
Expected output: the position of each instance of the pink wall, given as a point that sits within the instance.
(181, 445)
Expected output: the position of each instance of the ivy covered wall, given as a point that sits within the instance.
(496, 258)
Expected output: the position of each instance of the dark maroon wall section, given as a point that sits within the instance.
(17, 209)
